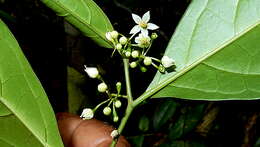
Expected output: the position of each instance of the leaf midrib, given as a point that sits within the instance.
(187, 68)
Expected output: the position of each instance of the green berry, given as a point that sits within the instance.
(154, 36)
(135, 54)
(118, 104)
(107, 110)
(102, 87)
(147, 61)
(123, 40)
(133, 64)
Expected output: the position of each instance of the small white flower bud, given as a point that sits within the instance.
(118, 46)
(123, 40)
(127, 54)
(147, 61)
(114, 34)
(167, 61)
(135, 54)
(133, 64)
(108, 36)
(107, 111)
(115, 118)
(114, 134)
(87, 114)
(118, 104)
(102, 87)
(91, 71)
(118, 86)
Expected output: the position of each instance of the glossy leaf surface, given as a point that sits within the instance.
(217, 53)
(84, 15)
(26, 116)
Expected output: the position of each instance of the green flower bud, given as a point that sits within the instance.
(154, 36)
(107, 111)
(116, 118)
(133, 64)
(123, 40)
(119, 46)
(161, 69)
(135, 54)
(102, 87)
(143, 69)
(118, 86)
(127, 54)
(118, 104)
(114, 34)
(147, 61)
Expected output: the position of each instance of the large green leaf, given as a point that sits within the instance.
(217, 52)
(26, 117)
(84, 15)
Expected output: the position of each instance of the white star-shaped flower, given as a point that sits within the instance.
(167, 61)
(142, 24)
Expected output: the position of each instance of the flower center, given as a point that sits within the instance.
(143, 24)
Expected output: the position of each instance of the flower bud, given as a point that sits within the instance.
(133, 64)
(127, 54)
(91, 71)
(114, 134)
(167, 61)
(107, 111)
(108, 36)
(102, 87)
(143, 69)
(154, 36)
(118, 104)
(161, 69)
(118, 46)
(114, 34)
(118, 86)
(147, 61)
(123, 40)
(135, 54)
(115, 118)
(87, 114)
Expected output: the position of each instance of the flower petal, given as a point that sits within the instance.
(146, 17)
(144, 32)
(135, 29)
(136, 18)
(151, 26)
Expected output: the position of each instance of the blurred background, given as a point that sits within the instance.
(57, 53)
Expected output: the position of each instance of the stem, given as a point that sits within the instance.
(130, 107)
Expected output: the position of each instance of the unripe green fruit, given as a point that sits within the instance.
(147, 61)
(133, 64)
(102, 87)
(107, 110)
(118, 104)
(135, 54)
(123, 40)
(154, 36)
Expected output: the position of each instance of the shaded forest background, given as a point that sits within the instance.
(51, 45)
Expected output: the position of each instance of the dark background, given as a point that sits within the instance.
(49, 49)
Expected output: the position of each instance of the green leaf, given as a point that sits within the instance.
(187, 121)
(183, 143)
(144, 123)
(84, 15)
(26, 116)
(163, 112)
(136, 141)
(216, 49)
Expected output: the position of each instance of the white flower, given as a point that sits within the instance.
(91, 71)
(87, 114)
(143, 40)
(142, 24)
(167, 61)
(114, 134)
(108, 36)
